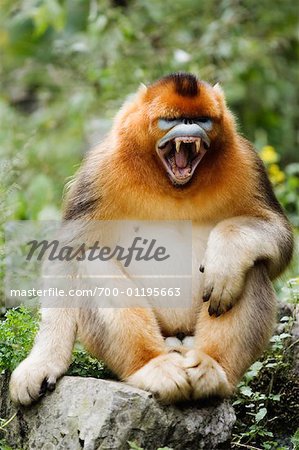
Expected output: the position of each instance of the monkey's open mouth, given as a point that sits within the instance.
(180, 156)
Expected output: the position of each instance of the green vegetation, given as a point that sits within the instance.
(4, 423)
(17, 332)
(4, 446)
(267, 400)
(84, 365)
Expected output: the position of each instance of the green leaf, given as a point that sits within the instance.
(285, 319)
(285, 335)
(49, 13)
(260, 414)
(295, 440)
(134, 446)
(164, 448)
(246, 390)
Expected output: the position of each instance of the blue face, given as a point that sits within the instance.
(204, 122)
(183, 146)
(185, 127)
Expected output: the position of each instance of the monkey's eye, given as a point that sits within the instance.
(202, 119)
(204, 122)
(166, 124)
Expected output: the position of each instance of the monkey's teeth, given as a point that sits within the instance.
(177, 146)
(197, 145)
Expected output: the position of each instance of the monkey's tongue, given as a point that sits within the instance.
(181, 157)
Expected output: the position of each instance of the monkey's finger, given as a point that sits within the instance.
(207, 294)
(51, 387)
(215, 307)
(211, 310)
(51, 383)
(43, 387)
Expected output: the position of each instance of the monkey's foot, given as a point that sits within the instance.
(31, 379)
(206, 376)
(165, 377)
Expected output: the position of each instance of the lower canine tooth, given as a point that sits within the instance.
(177, 146)
(197, 144)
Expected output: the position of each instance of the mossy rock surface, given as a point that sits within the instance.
(88, 413)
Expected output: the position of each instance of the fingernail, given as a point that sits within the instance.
(43, 387)
(206, 297)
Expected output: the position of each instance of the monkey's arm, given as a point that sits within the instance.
(236, 245)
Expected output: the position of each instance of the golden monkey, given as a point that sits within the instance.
(174, 153)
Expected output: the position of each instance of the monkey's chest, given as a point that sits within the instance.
(175, 320)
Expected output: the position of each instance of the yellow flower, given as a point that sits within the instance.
(276, 175)
(294, 281)
(269, 155)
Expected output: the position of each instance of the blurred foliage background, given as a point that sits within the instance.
(65, 68)
(67, 65)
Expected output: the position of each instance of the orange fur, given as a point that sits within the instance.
(241, 237)
(132, 181)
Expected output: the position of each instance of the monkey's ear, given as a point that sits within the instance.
(142, 88)
(219, 91)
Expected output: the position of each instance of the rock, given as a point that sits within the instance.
(87, 413)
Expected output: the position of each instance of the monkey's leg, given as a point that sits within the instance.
(226, 346)
(130, 342)
(49, 358)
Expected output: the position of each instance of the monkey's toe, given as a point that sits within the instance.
(165, 377)
(206, 376)
(31, 380)
(46, 386)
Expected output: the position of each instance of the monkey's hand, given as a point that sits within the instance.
(32, 378)
(225, 266)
